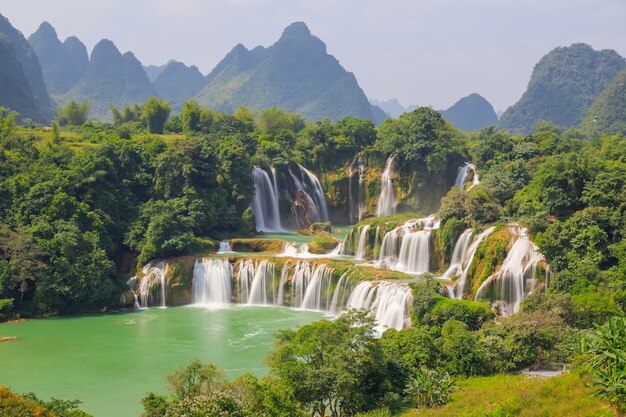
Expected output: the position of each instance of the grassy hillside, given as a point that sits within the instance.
(512, 396)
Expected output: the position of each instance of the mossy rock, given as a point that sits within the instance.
(257, 245)
(323, 245)
(488, 258)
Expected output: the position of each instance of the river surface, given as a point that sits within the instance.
(111, 361)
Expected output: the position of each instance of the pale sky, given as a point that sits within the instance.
(420, 52)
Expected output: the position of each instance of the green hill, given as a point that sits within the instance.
(31, 71)
(562, 87)
(111, 78)
(177, 82)
(296, 73)
(62, 63)
(471, 113)
(608, 112)
(15, 92)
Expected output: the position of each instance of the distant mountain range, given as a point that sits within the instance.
(569, 86)
(469, 113)
(22, 87)
(562, 87)
(296, 73)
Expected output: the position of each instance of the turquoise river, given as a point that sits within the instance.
(110, 361)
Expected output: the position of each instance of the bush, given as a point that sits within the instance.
(430, 388)
(323, 245)
(474, 314)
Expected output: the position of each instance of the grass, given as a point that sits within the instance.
(516, 395)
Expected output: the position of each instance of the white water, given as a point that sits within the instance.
(318, 294)
(356, 210)
(461, 177)
(212, 282)
(225, 247)
(407, 250)
(311, 189)
(387, 200)
(458, 255)
(262, 283)
(340, 295)
(361, 249)
(154, 274)
(388, 302)
(516, 278)
(265, 202)
(132, 284)
(468, 257)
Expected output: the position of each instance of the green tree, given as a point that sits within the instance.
(74, 114)
(190, 116)
(155, 113)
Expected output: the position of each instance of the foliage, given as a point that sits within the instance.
(74, 114)
(155, 113)
(430, 388)
(606, 353)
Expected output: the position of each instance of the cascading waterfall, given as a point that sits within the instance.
(280, 298)
(309, 186)
(406, 250)
(245, 276)
(387, 200)
(265, 202)
(296, 250)
(301, 279)
(467, 262)
(132, 284)
(212, 281)
(154, 274)
(361, 249)
(458, 255)
(461, 177)
(356, 210)
(318, 294)
(225, 247)
(517, 276)
(388, 302)
(262, 283)
(414, 257)
(341, 294)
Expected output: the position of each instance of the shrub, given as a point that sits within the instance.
(474, 314)
(430, 388)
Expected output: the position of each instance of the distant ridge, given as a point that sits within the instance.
(470, 113)
(111, 78)
(295, 73)
(62, 63)
(562, 87)
(19, 63)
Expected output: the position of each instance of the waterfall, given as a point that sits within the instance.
(225, 247)
(153, 277)
(341, 294)
(414, 257)
(461, 177)
(458, 255)
(318, 295)
(280, 298)
(295, 250)
(407, 250)
(467, 262)
(132, 284)
(245, 275)
(388, 302)
(262, 283)
(356, 210)
(361, 249)
(387, 200)
(308, 186)
(301, 279)
(212, 281)
(509, 285)
(265, 202)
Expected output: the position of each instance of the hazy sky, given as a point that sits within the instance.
(421, 52)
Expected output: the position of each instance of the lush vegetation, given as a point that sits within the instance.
(29, 405)
(608, 112)
(562, 87)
